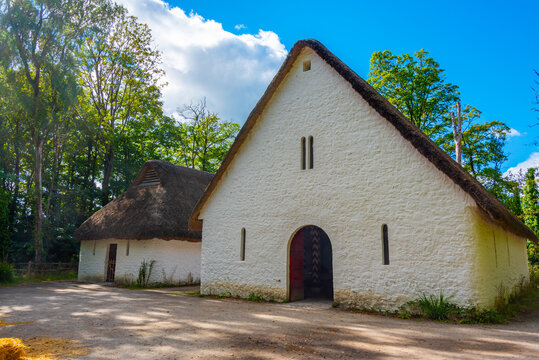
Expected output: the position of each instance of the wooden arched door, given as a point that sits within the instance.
(310, 265)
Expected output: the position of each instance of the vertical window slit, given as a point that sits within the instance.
(127, 249)
(385, 245)
(93, 252)
(242, 250)
(303, 161)
(311, 158)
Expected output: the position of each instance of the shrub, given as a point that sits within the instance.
(11, 349)
(436, 308)
(472, 315)
(6, 273)
(145, 272)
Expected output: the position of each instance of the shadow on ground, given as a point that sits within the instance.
(167, 324)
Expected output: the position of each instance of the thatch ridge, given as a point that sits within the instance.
(156, 211)
(491, 206)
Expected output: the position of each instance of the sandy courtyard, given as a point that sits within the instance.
(167, 324)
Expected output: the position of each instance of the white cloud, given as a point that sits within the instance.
(513, 133)
(531, 162)
(240, 26)
(201, 59)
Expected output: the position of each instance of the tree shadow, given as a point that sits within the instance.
(143, 324)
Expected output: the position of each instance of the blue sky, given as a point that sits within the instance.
(488, 48)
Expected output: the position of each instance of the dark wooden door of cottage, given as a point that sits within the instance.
(310, 265)
(296, 271)
(111, 263)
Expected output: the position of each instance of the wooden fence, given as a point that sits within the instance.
(44, 269)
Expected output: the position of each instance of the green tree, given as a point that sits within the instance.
(42, 37)
(530, 199)
(204, 137)
(530, 212)
(416, 86)
(121, 79)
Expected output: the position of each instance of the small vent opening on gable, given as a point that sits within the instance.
(150, 178)
(307, 65)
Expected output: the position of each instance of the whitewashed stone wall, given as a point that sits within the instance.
(501, 264)
(176, 261)
(365, 175)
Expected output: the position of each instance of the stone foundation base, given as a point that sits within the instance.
(243, 290)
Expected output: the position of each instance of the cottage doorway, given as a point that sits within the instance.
(310, 265)
(111, 262)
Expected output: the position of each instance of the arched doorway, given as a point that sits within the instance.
(311, 265)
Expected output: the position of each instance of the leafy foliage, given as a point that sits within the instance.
(6, 273)
(530, 199)
(79, 115)
(416, 86)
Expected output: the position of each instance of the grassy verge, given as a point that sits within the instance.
(153, 286)
(32, 278)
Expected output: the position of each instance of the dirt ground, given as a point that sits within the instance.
(168, 324)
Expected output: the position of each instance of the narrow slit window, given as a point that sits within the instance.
(311, 156)
(385, 245)
(307, 65)
(242, 250)
(93, 252)
(303, 150)
(127, 249)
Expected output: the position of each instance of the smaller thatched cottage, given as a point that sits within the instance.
(148, 222)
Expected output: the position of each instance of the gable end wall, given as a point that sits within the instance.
(365, 175)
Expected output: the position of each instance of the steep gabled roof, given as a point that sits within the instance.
(495, 210)
(157, 205)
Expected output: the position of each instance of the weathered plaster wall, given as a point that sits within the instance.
(175, 260)
(501, 265)
(365, 174)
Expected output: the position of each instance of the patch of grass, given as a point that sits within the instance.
(335, 304)
(435, 307)
(224, 295)
(255, 297)
(27, 279)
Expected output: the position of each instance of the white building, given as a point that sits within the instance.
(329, 191)
(149, 222)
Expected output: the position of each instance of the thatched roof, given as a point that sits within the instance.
(157, 205)
(491, 207)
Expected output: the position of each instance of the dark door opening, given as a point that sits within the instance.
(311, 267)
(111, 262)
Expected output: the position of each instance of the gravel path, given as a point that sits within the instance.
(168, 324)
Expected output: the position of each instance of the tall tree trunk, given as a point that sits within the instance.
(109, 163)
(38, 240)
(17, 171)
(457, 133)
